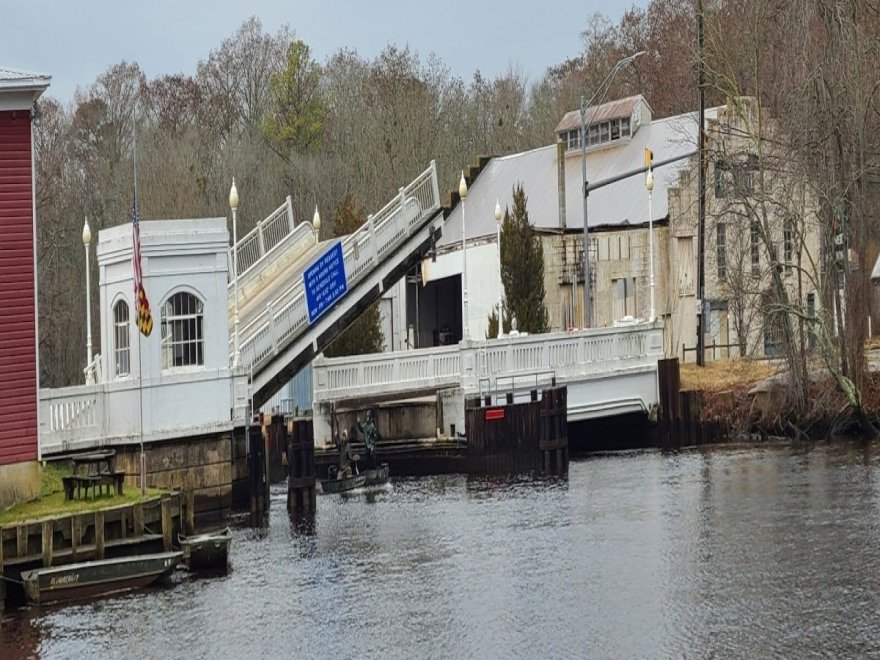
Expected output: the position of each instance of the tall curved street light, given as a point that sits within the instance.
(597, 97)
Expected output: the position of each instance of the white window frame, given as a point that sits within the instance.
(721, 250)
(121, 339)
(183, 335)
(755, 247)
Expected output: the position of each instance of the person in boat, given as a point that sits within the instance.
(370, 431)
(345, 457)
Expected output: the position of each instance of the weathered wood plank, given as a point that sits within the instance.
(99, 534)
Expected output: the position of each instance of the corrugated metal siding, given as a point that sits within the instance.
(18, 341)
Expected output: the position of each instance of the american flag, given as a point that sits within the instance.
(142, 305)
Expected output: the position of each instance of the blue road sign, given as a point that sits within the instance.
(325, 282)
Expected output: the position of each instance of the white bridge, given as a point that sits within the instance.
(607, 371)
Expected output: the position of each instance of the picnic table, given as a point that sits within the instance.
(93, 472)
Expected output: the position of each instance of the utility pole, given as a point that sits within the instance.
(702, 307)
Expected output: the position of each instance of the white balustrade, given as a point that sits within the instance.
(362, 250)
(254, 247)
(579, 355)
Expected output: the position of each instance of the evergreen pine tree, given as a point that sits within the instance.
(522, 270)
(365, 334)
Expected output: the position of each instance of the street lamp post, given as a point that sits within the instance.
(649, 184)
(500, 278)
(465, 330)
(233, 204)
(87, 240)
(598, 96)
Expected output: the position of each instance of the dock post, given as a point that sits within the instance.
(301, 482)
(669, 384)
(189, 522)
(74, 536)
(166, 523)
(137, 514)
(47, 529)
(21, 540)
(256, 472)
(99, 534)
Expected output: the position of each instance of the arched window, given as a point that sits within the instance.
(121, 350)
(182, 336)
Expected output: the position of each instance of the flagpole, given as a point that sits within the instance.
(143, 456)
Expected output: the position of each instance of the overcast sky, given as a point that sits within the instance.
(76, 40)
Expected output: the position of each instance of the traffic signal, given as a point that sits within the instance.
(649, 157)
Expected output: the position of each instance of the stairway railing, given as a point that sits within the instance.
(287, 316)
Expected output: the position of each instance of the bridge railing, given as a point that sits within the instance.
(568, 355)
(270, 235)
(343, 378)
(287, 316)
(100, 414)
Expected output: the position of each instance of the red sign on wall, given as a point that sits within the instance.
(494, 413)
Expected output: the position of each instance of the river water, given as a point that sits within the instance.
(726, 552)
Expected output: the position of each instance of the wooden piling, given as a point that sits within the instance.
(302, 480)
(137, 514)
(75, 536)
(669, 414)
(21, 540)
(189, 505)
(99, 534)
(46, 536)
(257, 480)
(166, 523)
(514, 438)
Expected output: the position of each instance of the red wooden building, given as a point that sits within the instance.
(19, 386)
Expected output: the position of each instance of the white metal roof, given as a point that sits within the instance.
(9, 78)
(618, 204)
(19, 90)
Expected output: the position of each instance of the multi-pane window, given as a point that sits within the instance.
(787, 245)
(121, 346)
(182, 334)
(756, 248)
(600, 133)
(721, 250)
(735, 178)
(615, 129)
(720, 179)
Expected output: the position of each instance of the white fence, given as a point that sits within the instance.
(568, 356)
(122, 411)
(287, 316)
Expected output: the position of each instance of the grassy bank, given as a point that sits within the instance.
(51, 501)
(733, 407)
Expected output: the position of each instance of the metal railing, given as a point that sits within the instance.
(726, 351)
(287, 317)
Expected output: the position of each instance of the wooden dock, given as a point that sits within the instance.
(115, 531)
